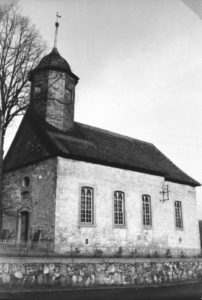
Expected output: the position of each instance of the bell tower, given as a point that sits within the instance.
(53, 89)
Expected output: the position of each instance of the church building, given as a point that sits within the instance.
(81, 187)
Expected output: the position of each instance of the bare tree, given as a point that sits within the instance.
(21, 48)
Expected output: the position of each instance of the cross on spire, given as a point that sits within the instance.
(56, 29)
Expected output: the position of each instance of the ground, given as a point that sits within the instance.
(180, 292)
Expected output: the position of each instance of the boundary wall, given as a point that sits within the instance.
(93, 272)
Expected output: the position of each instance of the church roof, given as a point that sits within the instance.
(37, 141)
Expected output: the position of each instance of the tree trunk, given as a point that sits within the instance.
(1, 173)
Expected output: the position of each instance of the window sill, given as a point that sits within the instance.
(86, 225)
(119, 226)
(147, 227)
(179, 229)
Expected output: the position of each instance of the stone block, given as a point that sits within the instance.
(63, 281)
(87, 281)
(40, 279)
(6, 278)
(74, 279)
(18, 275)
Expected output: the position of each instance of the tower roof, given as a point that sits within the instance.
(54, 61)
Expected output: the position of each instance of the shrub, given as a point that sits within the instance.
(156, 254)
(182, 255)
(76, 252)
(134, 253)
(168, 253)
(98, 253)
(119, 252)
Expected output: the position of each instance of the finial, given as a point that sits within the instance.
(56, 29)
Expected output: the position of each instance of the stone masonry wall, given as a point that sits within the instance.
(94, 272)
(60, 101)
(39, 90)
(56, 99)
(102, 234)
(38, 199)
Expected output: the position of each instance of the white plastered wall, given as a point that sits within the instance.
(72, 175)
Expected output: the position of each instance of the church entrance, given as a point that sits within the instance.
(24, 226)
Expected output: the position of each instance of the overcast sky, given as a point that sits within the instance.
(140, 69)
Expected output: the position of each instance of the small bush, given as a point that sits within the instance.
(168, 253)
(156, 254)
(76, 252)
(119, 252)
(182, 255)
(98, 253)
(134, 253)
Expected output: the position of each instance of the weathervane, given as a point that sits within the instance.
(56, 29)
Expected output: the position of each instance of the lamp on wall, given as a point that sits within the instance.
(164, 192)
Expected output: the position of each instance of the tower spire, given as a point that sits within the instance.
(56, 30)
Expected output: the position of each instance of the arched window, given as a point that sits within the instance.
(37, 89)
(146, 210)
(178, 215)
(119, 208)
(86, 215)
(25, 182)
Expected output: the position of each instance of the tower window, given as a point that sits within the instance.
(37, 89)
(86, 215)
(146, 210)
(119, 209)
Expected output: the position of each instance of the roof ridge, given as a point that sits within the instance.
(113, 133)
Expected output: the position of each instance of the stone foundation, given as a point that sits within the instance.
(92, 272)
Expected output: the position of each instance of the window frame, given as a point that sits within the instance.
(119, 225)
(25, 188)
(25, 182)
(92, 222)
(179, 215)
(37, 89)
(144, 213)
